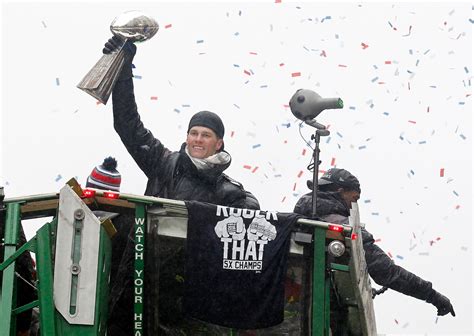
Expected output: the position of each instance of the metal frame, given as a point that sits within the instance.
(40, 205)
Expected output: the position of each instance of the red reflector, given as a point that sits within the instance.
(354, 236)
(336, 228)
(111, 194)
(88, 193)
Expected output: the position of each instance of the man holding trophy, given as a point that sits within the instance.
(195, 172)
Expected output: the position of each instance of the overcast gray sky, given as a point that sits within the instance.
(403, 70)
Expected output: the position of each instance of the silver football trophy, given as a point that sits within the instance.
(131, 26)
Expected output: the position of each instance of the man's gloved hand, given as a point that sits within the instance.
(113, 45)
(442, 303)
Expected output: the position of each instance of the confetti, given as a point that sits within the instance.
(57, 81)
(200, 41)
(300, 173)
(137, 76)
(296, 74)
(153, 98)
(59, 177)
(362, 147)
(412, 121)
(232, 134)
(283, 200)
(256, 146)
(441, 172)
(333, 161)
(255, 169)
(44, 24)
(364, 46)
(409, 32)
(247, 167)
(400, 257)
(303, 152)
(168, 26)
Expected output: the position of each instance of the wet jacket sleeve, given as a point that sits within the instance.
(385, 272)
(147, 151)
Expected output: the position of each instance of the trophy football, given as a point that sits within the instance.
(131, 26)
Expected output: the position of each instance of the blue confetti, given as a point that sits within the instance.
(367, 201)
(455, 193)
(256, 146)
(199, 41)
(328, 139)
(427, 51)
(58, 177)
(237, 106)
(362, 147)
(375, 213)
(422, 142)
(236, 34)
(461, 103)
(433, 86)
(57, 81)
(177, 111)
(465, 69)
(339, 134)
(286, 125)
(462, 136)
(417, 62)
(137, 76)
(352, 108)
(374, 79)
(186, 105)
(386, 113)
(399, 257)
(236, 66)
(263, 86)
(412, 172)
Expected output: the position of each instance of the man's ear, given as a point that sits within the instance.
(219, 144)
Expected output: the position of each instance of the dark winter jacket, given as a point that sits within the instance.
(380, 266)
(172, 174)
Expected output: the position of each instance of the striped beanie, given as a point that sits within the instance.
(105, 176)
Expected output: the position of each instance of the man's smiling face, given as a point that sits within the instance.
(202, 142)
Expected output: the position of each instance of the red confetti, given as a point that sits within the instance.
(286, 105)
(412, 121)
(300, 173)
(457, 207)
(282, 64)
(364, 46)
(441, 172)
(294, 187)
(378, 240)
(277, 1)
(395, 321)
(255, 169)
(252, 53)
(296, 74)
(304, 151)
(390, 255)
(285, 142)
(232, 134)
(98, 103)
(154, 98)
(247, 72)
(342, 66)
(323, 53)
(168, 26)
(247, 167)
(428, 109)
(283, 200)
(388, 62)
(333, 161)
(381, 82)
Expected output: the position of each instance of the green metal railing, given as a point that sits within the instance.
(43, 242)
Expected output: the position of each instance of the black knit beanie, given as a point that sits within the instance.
(210, 120)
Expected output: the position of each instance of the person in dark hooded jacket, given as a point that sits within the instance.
(195, 172)
(337, 189)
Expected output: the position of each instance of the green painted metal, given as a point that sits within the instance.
(139, 274)
(25, 307)
(29, 245)
(8, 298)
(339, 267)
(320, 308)
(44, 266)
